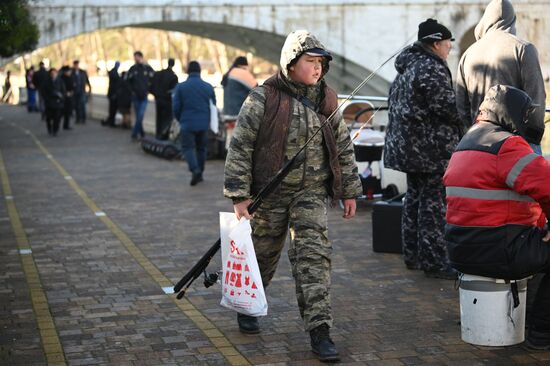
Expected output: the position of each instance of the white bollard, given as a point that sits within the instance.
(487, 313)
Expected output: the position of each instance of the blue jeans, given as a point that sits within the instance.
(80, 107)
(193, 147)
(140, 105)
(31, 100)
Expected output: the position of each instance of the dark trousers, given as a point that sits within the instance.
(164, 118)
(531, 256)
(539, 317)
(67, 113)
(41, 105)
(53, 118)
(424, 222)
(194, 147)
(113, 106)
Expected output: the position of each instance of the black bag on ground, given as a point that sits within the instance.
(162, 148)
(386, 225)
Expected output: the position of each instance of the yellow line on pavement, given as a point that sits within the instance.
(224, 346)
(46, 326)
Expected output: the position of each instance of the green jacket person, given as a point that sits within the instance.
(272, 126)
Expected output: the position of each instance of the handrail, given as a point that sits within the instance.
(369, 98)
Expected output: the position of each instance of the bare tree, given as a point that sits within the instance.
(127, 36)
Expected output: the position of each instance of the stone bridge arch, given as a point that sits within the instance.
(361, 34)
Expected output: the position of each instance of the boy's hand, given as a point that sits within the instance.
(349, 208)
(546, 237)
(241, 209)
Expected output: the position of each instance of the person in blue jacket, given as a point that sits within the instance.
(191, 106)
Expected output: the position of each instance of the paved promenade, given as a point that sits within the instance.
(92, 230)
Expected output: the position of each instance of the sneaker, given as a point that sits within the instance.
(322, 345)
(248, 324)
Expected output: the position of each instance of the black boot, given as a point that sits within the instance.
(322, 345)
(536, 340)
(248, 324)
(444, 274)
(197, 178)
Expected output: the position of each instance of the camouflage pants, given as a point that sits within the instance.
(424, 222)
(305, 214)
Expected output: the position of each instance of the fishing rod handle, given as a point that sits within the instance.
(200, 266)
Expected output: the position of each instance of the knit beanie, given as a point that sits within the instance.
(431, 31)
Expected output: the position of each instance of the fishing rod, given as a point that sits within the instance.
(200, 267)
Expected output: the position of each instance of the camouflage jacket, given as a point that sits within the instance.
(312, 173)
(424, 127)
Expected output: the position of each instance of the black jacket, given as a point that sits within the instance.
(114, 80)
(163, 84)
(54, 93)
(80, 80)
(139, 77)
(39, 78)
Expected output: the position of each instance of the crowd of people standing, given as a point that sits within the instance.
(58, 94)
(192, 103)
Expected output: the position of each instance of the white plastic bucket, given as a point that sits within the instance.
(487, 313)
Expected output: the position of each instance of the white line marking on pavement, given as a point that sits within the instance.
(168, 290)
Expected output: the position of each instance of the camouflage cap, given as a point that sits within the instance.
(299, 42)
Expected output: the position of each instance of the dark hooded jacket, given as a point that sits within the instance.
(39, 78)
(498, 57)
(498, 196)
(54, 93)
(424, 126)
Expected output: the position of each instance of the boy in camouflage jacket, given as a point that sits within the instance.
(275, 121)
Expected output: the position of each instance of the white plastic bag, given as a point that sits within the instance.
(214, 121)
(242, 288)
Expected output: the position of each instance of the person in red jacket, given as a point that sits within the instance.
(498, 201)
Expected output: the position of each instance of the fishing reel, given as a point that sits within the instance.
(210, 279)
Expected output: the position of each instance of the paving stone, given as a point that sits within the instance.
(109, 311)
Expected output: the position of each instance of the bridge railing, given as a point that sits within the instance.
(370, 98)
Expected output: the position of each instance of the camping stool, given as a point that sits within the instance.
(492, 311)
